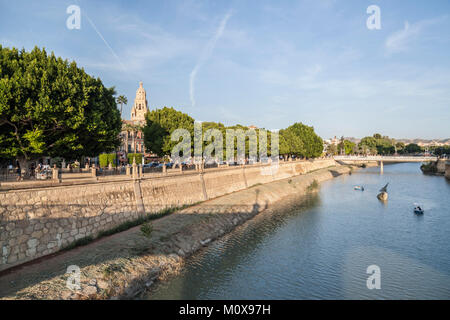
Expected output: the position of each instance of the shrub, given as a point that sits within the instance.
(137, 156)
(147, 229)
(106, 158)
(430, 167)
(80, 242)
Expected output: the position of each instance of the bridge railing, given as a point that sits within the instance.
(386, 158)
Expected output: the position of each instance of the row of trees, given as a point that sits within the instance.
(299, 140)
(376, 144)
(50, 107)
(439, 151)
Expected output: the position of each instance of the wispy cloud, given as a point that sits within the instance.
(401, 40)
(207, 51)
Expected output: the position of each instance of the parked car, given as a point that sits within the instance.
(44, 174)
(169, 165)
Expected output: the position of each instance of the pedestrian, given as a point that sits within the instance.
(19, 172)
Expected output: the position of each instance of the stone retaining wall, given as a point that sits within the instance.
(39, 221)
(441, 165)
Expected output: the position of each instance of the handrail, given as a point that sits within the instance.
(391, 158)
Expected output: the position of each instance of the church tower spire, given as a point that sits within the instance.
(140, 106)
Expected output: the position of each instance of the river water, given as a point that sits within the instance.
(321, 249)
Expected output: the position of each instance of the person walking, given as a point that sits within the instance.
(19, 172)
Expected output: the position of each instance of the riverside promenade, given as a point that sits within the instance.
(125, 264)
(39, 220)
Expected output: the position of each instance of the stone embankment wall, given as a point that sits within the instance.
(35, 222)
(447, 170)
(129, 264)
(441, 163)
(367, 163)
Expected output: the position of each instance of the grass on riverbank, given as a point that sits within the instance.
(429, 167)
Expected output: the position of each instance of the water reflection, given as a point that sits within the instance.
(320, 249)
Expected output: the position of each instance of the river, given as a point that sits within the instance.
(321, 249)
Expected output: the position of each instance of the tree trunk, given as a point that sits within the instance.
(24, 172)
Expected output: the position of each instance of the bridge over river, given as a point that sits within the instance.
(382, 159)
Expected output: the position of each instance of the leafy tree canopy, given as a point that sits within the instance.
(347, 147)
(377, 144)
(301, 140)
(50, 107)
(298, 139)
(290, 143)
(413, 148)
(441, 150)
(161, 123)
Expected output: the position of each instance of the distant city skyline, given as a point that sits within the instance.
(262, 63)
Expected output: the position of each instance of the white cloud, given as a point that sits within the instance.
(398, 41)
(401, 40)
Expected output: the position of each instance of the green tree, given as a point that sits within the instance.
(207, 125)
(439, 151)
(384, 146)
(347, 146)
(399, 146)
(368, 143)
(332, 150)
(312, 144)
(413, 148)
(50, 107)
(290, 143)
(121, 100)
(160, 125)
(377, 144)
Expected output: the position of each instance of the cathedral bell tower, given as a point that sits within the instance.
(140, 106)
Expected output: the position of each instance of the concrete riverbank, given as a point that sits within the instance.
(125, 265)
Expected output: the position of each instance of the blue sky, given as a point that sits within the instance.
(266, 63)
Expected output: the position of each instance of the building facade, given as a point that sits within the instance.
(132, 136)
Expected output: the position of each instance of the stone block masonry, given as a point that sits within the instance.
(35, 222)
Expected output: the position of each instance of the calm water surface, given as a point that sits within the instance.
(321, 249)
